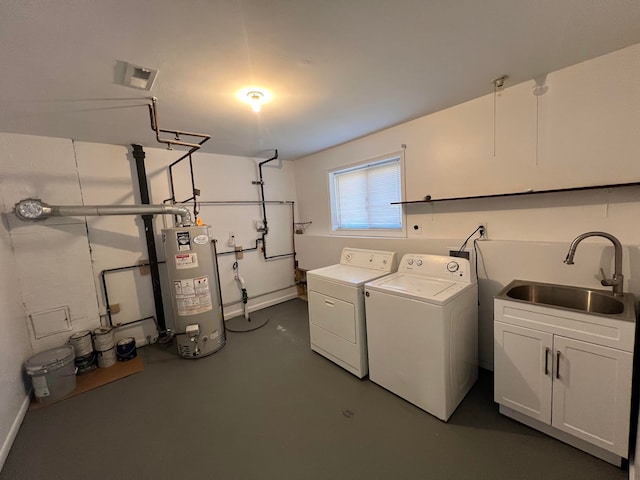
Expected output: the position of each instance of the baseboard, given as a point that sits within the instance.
(228, 314)
(13, 431)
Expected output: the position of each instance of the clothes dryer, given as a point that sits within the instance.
(422, 331)
(336, 306)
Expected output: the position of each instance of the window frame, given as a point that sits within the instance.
(366, 232)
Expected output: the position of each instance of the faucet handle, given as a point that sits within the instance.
(606, 282)
(604, 277)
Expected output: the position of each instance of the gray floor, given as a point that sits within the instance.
(267, 407)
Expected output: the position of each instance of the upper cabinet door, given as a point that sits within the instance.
(451, 154)
(589, 122)
(515, 148)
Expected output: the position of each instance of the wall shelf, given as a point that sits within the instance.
(428, 198)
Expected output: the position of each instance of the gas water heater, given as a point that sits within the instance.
(191, 267)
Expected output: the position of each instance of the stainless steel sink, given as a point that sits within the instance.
(595, 302)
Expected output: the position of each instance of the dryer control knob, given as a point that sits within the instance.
(453, 266)
(410, 261)
(418, 262)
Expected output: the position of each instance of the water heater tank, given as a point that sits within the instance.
(191, 267)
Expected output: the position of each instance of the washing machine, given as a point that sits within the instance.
(336, 306)
(422, 331)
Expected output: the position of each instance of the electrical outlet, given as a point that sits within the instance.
(231, 242)
(483, 231)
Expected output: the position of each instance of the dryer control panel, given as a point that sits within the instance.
(436, 266)
(373, 259)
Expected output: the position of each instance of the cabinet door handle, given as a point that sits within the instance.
(558, 364)
(546, 360)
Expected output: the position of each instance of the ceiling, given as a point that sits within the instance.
(337, 69)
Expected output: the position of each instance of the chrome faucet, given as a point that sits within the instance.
(618, 278)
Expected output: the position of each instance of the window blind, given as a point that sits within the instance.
(363, 195)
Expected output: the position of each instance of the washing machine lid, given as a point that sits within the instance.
(346, 274)
(418, 287)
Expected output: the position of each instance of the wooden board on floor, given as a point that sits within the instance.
(97, 378)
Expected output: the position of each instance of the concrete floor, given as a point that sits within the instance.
(267, 407)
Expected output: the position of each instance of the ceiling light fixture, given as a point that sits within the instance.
(255, 99)
(255, 96)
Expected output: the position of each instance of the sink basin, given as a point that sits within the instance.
(595, 302)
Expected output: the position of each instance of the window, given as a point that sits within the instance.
(361, 197)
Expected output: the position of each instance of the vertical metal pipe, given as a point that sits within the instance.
(106, 298)
(215, 258)
(264, 207)
(139, 155)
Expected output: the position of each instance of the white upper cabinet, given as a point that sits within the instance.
(452, 154)
(515, 139)
(583, 129)
(589, 122)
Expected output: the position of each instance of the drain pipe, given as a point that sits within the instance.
(260, 182)
(139, 156)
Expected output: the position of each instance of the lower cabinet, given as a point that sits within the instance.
(574, 386)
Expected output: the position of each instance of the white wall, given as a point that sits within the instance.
(107, 175)
(44, 266)
(14, 341)
(528, 236)
(584, 131)
(57, 262)
(231, 180)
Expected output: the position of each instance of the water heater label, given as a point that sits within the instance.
(201, 239)
(184, 241)
(193, 295)
(186, 260)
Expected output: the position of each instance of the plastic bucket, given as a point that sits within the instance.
(53, 373)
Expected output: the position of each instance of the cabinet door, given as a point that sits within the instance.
(450, 143)
(585, 119)
(592, 393)
(523, 370)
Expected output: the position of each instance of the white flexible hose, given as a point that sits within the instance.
(243, 290)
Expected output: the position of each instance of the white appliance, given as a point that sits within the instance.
(336, 306)
(422, 330)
